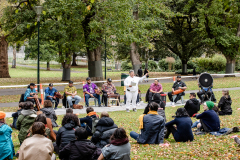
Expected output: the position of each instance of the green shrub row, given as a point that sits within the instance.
(152, 66)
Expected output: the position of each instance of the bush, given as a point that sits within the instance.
(163, 65)
(152, 65)
(126, 66)
(178, 64)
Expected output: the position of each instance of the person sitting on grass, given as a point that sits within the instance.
(225, 103)
(192, 106)
(6, 144)
(119, 147)
(87, 121)
(16, 114)
(37, 147)
(81, 148)
(183, 132)
(25, 120)
(66, 133)
(104, 129)
(209, 120)
(152, 127)
(50, 112)
(69, 110)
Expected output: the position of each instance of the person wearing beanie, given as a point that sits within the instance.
(209, 120)
(6, 144)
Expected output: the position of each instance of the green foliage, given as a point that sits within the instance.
(152, 65)
(126, 66)
(163, 64)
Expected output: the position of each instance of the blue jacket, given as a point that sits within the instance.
(49, 92)
(153, 130)
(210, 119)
(6, 144)
(184, 129)
(27, 93)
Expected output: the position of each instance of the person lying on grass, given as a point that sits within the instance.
(183, 133)
(152, 127)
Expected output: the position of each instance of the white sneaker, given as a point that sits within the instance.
(127, 110)
(134, 110)
(173, 104)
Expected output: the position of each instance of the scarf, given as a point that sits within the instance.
(141, 118)
(92, 113)
(119, 142)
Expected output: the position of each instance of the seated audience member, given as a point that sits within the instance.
(109, 89)
(152, 127)
(50, 112)
(179, 84)
(209, 120)
(31, 94)
(225, 104)
(71, 93)
(37, 147)
(87, 121)
(119, 147)
(16, 114)
(104, 129)
(90, 92)
(49, 94)
(6, 144)
(192, 106)
(81, 148)
(69, 110)
(183, 133)
(66, 133)
(155, 88)
(209, 93)
(161, 110)
(25, 120)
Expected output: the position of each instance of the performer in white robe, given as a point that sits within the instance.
(131, 84)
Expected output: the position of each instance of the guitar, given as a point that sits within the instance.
(98, 91)
(58, 95)
(38, 105)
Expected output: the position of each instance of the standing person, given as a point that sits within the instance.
(16, 114)
(6, 144)
(155, 88)
(183, 133)
(119, 147)
(49, 112)
(192, 106)
(140, 72)
(71, 93)
(177, 85)
(146, 72)
(49, 94)
(31, 94)
(109, 89)
(131, 83)
(225, 103)
(37, 147)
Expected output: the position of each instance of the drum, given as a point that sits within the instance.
(205, 80)
(178, 91)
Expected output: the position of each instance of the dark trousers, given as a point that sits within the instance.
(125, 99)
(134, 135)
(33, 101)
(170, 129)
(203, 98)
(105, 96)
(170, 96)
(204, 128)
(221, 113)
(87, 96)
(56, 101)
(56, 147)
(15, 117)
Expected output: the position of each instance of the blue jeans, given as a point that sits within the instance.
(134, 135)
(15, 117)
(87, 96)
(76, 98)
(195, 124)
(56, 101)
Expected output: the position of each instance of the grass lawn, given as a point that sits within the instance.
(203, 147)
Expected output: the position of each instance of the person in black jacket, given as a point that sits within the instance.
(225, 104)
(16, 114)
(140, 72)
(145, 72)
(66, 133)
(183, 133)
(81, 148)
(104, 130)
(192, 106)
(50, 112)
(87, 121)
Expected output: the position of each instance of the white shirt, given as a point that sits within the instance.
(136, 80)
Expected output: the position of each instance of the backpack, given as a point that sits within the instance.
(94, 124)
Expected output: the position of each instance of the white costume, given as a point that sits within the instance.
(132, 92)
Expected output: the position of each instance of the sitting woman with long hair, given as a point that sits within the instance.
(183, 133)
(225, 103)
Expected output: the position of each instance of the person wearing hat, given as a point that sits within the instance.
(179, 84)
(49, 94)
(209, 120)
(6, 144)
(109, 89)
(89, 90)
(71, 93)
(31, 94)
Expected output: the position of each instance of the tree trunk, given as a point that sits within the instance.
(4, 73)
(135, 57)
(184, 67)
(14, 56)
(66, 74)
(48, 66)
(74, 63)
(230, 66)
